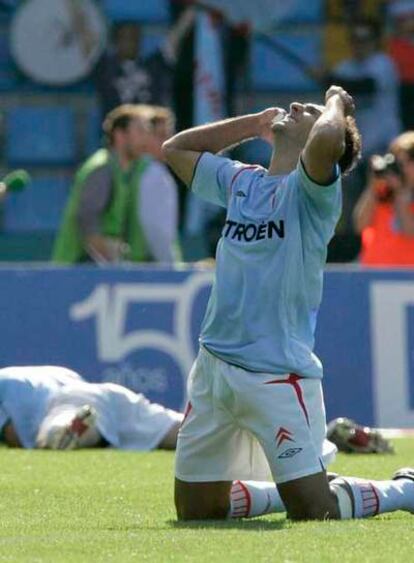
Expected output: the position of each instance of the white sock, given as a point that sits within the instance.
(361, 498)
(254, 498)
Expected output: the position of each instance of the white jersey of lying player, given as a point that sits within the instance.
(37, 399)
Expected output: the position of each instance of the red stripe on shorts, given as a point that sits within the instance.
(293, 380)
(187, 411)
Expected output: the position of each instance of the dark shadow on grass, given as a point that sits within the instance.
(250, 525)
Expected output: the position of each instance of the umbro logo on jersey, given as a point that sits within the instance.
(289, 453)
(240, 194)
(283, 435)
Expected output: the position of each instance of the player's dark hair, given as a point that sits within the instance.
(352, 152)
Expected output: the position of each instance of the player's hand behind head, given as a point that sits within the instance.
(347, 100)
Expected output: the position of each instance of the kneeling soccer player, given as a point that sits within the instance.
(52, 407)
(255, 396)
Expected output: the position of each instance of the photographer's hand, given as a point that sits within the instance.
(364, 211)
(403, 205)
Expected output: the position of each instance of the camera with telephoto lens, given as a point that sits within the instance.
(382, 166)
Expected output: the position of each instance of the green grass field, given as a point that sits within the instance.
(108, 505)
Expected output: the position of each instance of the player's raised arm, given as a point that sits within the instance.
(183, 150)
(326, 143)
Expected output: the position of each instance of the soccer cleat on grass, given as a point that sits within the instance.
(69, 437)
(350, 437)
(404, 473)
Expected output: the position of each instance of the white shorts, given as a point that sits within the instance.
(246, 425)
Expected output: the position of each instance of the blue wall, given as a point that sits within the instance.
(139, 327)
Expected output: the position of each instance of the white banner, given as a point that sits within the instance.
(262, 15)
(209, 104)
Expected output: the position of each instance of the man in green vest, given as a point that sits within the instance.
(101, 223)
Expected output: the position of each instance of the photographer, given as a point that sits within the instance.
(384, 214)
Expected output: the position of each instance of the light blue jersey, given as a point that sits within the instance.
(270, 259)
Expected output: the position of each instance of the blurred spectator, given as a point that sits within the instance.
(123, 203)
(350, 10)
(371, 78)
(157, 206)
(369, 75)
(123, 76)
(401, 49)
(384, 214)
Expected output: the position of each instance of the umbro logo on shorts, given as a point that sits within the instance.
(240, 194)
(289, 453)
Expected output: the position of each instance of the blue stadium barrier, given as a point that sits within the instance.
(93, 134)
(271, 70)
(139, 327)
(302, 12)
(8, 73)
(39, 207)
(153, 11)
(40, 136)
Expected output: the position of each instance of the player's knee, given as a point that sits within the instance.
(199, 503)
(201, 512)
(309, 498)
(200, 509)
(317, 510)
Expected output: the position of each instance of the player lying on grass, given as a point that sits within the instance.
(53, 407)
(255, 395)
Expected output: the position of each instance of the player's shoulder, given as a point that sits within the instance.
(219, 162)
(247, 182)
(247, 171)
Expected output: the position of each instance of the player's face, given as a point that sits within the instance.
(298, 123)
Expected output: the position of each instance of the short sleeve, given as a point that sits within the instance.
(325, 198)
(213, 178)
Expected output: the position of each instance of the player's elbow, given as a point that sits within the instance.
(167, 150)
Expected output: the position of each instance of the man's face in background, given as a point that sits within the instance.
(161, 131)
(132, 141)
